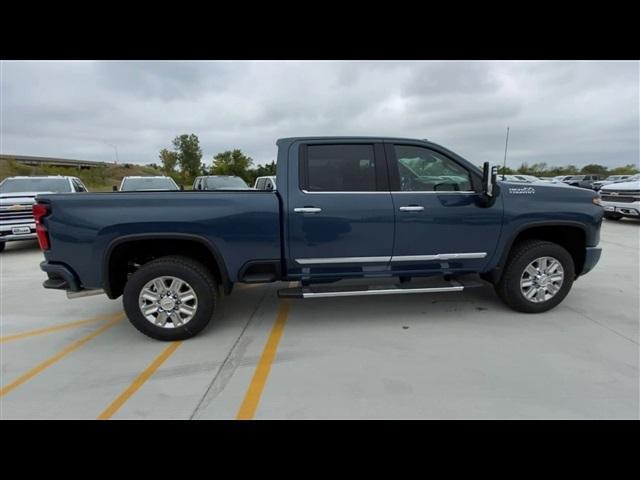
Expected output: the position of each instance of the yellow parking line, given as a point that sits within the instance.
(63, 353)
(138, 382)
(55, 328)
(254, 392)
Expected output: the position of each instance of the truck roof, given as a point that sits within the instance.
(359, 137)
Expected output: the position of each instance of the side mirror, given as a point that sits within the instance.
(489, 175)
(115, 188)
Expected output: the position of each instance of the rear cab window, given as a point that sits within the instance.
(341, 168)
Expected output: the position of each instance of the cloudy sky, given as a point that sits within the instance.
(558, 112)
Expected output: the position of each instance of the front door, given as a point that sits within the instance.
(340, 212)
(441, 225)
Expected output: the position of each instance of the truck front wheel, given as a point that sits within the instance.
(170, 298)
(537, 276)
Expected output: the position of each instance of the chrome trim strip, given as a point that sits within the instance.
(319, 261)
(438, 256)
(466, 192)
(392, 291)
(323, 193)
(401, 258)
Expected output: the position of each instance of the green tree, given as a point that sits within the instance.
(630, 169)
(262, 171)
(232, 162)
(169, 161)
(189, 155)
(595, 169)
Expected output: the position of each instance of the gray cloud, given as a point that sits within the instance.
(559, 112)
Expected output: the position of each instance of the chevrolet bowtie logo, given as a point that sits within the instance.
(18, 207)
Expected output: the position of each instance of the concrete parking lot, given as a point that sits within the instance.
(407, 356)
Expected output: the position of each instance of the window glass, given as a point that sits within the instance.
(34, 184)
(341, 168)
(260, 184)
(149, 183)
(423, 170)
(223, 182)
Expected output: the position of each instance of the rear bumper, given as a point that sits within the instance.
(591, 257)
(60, 276)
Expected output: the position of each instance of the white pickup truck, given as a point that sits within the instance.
(17, 195)
(621, 199)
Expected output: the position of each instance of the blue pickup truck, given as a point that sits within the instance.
(350, 216)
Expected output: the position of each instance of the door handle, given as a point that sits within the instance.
(307, 210)
(411, 208)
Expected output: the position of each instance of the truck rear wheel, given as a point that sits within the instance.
(537, 276)
(612, 216)
(170, 298)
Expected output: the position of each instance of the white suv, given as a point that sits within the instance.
(17, 195)
(621, 199)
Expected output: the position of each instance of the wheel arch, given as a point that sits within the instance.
(570, 235)
(152, 245)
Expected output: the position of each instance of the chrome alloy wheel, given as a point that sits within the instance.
(168, 302)
(542, 279)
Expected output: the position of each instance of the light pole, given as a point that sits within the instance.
(116, 150)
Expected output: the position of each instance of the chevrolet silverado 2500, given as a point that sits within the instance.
(351, 216)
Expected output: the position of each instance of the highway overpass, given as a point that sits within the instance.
(57, 162)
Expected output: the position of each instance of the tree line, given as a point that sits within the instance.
(184, 162)
(544, 170)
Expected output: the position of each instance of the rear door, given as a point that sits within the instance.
(441, 225)
(340, 212)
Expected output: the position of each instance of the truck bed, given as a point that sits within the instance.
(242, 225)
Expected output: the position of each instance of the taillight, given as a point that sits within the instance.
(41, 210)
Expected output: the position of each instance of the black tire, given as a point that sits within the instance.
(2, 244)
(194, 273)
(612, 216)
(521, 255)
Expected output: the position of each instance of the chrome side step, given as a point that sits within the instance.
(84, 293)
(324, 291)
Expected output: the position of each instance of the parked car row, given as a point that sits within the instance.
(593, 182)
(231, 182)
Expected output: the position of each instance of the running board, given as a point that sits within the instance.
(322, 291)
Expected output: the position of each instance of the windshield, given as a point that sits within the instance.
(148, 184)
(16, 185)
(219, 183)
